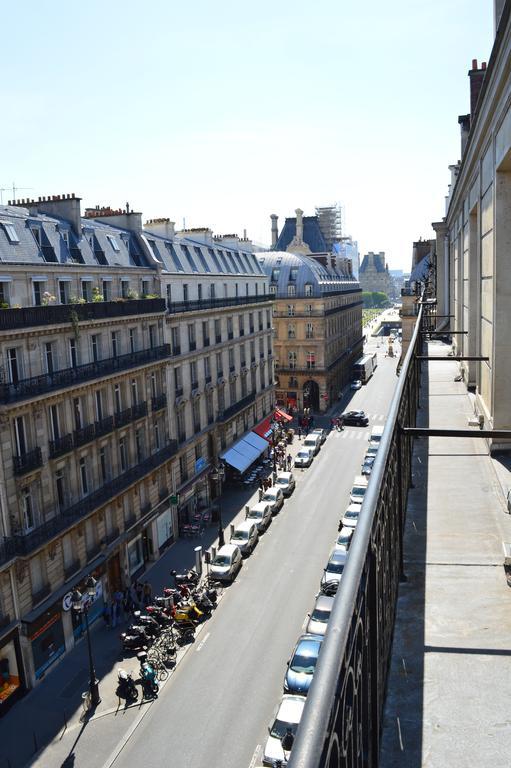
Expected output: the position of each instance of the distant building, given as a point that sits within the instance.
(317, 317)
(374, 274)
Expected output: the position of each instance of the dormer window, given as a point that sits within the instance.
(275, 275)
(308, 289)
(10, 232)
(293, 274)
(37, 235)
(113, 242)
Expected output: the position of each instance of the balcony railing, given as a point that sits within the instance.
(235, 408)
(104, 426)
(27, 461)
(24, 544)
(192, 346)
(98, 429)
(84, 435)
(159, 402)
(175, 307)
(47, 382)
(28, 317)
(344, 707)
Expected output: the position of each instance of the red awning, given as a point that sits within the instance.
(281, 416)
(264, 429)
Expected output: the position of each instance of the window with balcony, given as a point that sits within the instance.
(230, 328)
(27, 503)
(243, 386)
(134, 392)
(183, 468)
(60, 491)
(87, 290)
(241, 321)
(106, 286)
(291, 359)
(156, 435)
(205, 333)
(231, 359)
(181, 426)
(218, 332)
(49, 357)
(309, 289)
(98, 397)
(311, 359)
(103, 464)
(117, 398)
(64, 291)
(260, 320)
(95, 346)
(175, 341)
(192, 342)
(199, 291)
(154, 385)
(196, 415)
(123, 454)
(219, 365)
(139, 445)
(37, 575)
(14, 364)
(186, 296)
(54, 421)
(169, 296)
(84, 480)
(212, 291)
(268, 319)
(207, 370)
(74, 358)
(309, 331)
(291, 331)
(178, 380)
(125, 288)
(193, 374)
(153, 336)
(132, 336)
(38, 288)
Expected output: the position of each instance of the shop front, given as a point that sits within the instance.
(164, 529)
(135, 556)
(12, 679)
(47, 643)
(193, 498)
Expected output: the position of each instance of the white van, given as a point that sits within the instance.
(245, 536)
(376, 434)
(314, 442)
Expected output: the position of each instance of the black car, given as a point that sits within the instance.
(355, 419)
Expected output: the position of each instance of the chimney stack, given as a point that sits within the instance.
(476, 83)
(464, 123)
(274, 229)
(299, 225)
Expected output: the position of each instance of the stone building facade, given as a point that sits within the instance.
(130, 358)
(317, 320)
(374, 274)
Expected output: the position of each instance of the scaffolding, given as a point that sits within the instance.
(330, 223)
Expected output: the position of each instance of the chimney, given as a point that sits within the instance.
(476, 83)
(299, 225)
(65, 207)
(274, 229)
(163, 227)
(464, 123)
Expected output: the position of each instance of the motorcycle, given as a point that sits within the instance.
(202, 601)
(126, 688)
(188, 611)
(159, 614)
(134, 638)
(150, 625)
(190, 577)
(150, 685)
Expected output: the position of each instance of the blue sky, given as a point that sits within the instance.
(223, 113)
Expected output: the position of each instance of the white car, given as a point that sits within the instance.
(275, 498)
(358, 490)
(286, 481)
(334, 567)
(260, 514)
(350, 517)
(287, 716)
(245, 536)
(227, 563)
(344, 539)
(357, 384)
(304, 458)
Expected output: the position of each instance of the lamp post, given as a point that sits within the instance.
(217, 475)
(80, 606)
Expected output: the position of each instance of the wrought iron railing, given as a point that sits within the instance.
(26, 462)
(176, 307)
(236, 408)
(47, 382)
(28, 317)
(342, 719)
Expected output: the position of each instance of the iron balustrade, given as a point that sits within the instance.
(25, 543)
(159, 402)
(104, 426)
(342, 718)
(84, 435)
(60, 446)
(67, 377)
(235, 408)
(176, 307)
(27, 461)
(52, 314)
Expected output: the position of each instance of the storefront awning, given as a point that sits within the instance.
(243, 453)
(264, 428)
(282, 416)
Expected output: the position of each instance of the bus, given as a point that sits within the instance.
(363, 368)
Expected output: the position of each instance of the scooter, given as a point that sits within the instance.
(188, 611)
(157, 613)
(134, 638)
(150, 686)
(190, 577)
(202, 601)
(126, 688)
(150, 625)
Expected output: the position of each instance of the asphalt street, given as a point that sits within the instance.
(217, 706)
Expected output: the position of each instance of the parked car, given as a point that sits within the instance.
(358, 489)
(227, 563)
(301, 665)
(355, 419)
(287, 716)
(323, 434)
(367, 466)
(245, 537)
(344, 539)
(334, 567)
(275, 498)
(350, 517)
(304, 458)
(376, 434)
(357, 384)
(313, 442)
(372, 449)
(286, 481)
(261, 515)
(320, 615)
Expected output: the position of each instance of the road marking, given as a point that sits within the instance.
(202, 642)
(255, 756)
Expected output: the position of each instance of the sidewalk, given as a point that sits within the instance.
(45, 727)
(449, 686)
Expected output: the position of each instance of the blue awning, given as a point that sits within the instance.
(243, 453)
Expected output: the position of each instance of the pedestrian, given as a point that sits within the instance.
(127, 601)
(114, 613)
(299, 432)
(148, 593)
(106, 615)
(289, 461)
(139, 591)
(119, 604)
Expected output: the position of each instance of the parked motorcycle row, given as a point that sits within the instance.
(156, 633)
(303, 660)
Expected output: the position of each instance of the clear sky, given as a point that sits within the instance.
(223, 112)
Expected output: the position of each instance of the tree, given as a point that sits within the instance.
(375, 299)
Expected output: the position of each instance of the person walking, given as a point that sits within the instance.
(139, 592)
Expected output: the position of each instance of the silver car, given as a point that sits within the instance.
(285, 481)
(260, 514)
(320, 615)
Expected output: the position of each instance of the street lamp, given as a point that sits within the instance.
(217, 475)
(80, 606)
